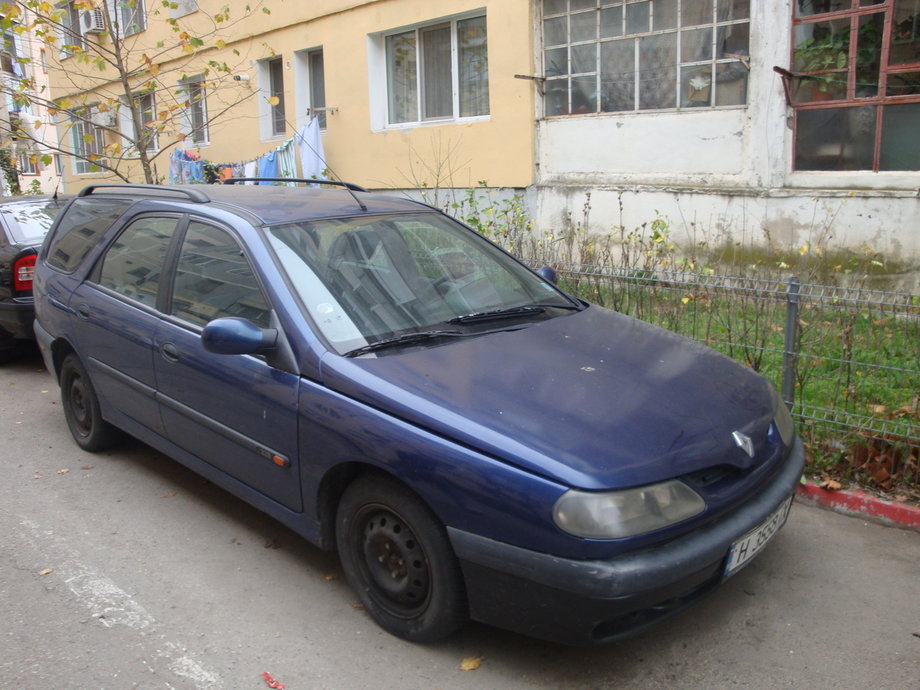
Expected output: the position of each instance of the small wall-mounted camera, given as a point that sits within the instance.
(240, 77)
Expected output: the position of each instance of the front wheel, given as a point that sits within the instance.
(397, 557)
(81, 408)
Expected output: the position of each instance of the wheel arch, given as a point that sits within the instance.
(333, 485)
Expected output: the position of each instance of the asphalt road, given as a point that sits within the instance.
(125, 570)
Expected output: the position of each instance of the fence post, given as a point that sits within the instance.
(790, 342)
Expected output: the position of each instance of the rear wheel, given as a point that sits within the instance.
(81, 408)
(397, 557)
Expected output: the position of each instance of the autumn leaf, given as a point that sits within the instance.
(830, 485)
(471, 663)
(64, 471)
(46, 571)
(273, 100)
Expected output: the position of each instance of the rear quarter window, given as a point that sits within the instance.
(80, 229)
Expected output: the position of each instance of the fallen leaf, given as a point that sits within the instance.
(471, 663)
(331, 576)
(169, 494)
(358, 606)
(64, 471)
(46, 571)
(830, 485)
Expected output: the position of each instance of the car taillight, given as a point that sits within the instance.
(23, 271)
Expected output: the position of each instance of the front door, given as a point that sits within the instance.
(236, 412)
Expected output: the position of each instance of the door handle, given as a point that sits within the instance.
(83, 311)
(170, 352)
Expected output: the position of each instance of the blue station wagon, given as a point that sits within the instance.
(473, 441)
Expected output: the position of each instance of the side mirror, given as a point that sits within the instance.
(548, 273)
(236, 336)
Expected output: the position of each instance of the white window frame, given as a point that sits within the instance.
(187, 124)
(26, 164)
(69, 32)
(79, 128)
(129, 17)
(380, 84)
(126, 122)
(267, 110)
(182, 8)
(304, 80)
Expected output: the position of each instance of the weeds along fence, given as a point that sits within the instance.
(846, 359)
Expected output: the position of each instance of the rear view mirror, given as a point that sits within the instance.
(236, 336)
(548, 273)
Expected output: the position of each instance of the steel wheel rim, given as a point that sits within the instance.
(79, 408)
(394, 562)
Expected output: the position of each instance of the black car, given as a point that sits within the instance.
(24, 222)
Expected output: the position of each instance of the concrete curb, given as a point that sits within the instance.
(860, 504)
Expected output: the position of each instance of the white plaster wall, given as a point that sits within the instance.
(718, 173)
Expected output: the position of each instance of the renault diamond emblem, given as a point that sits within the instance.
(743, 441)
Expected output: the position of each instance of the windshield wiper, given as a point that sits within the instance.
(404, 339)
(510, 312)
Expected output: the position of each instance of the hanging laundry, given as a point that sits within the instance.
(250, 169)
(268, 166)
(287, 160)
(310, 145)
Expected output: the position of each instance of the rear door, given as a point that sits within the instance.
(236, 412)
(116, 318)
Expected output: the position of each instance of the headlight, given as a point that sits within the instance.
(783, 421)
(618, 514)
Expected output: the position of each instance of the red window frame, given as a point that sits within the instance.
(796, 83)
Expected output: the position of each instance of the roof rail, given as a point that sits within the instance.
(191, 194)
(348, 185)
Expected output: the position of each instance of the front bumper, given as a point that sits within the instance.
(591, 602)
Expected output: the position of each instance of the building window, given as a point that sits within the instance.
(146, 110)
(276, 95)
(88, 141)
(180, 8)
(310, 94)
(438, 72)
(318, 85)
(9, 56)
(70, 33)
(855, 84)
(131, 17)
(605, 56)
(195, 116)
(28, 163)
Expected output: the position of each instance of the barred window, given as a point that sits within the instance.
(634, 55)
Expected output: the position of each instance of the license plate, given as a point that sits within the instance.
(743, 550)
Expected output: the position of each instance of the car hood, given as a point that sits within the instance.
(593, 399)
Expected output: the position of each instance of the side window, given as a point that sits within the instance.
(80, 230)
(213, 279)
(133, 264)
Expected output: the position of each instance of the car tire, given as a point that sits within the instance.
(81, 408)
(397, 557)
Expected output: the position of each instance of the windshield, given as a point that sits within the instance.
(369, 279)
(29, 222)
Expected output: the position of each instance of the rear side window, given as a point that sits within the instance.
(134, 263)
(29, 222)
(80, 229)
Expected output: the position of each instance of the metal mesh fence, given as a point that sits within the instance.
(846, 358)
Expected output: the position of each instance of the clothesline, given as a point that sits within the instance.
(187, 167)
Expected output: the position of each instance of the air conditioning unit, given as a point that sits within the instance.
(92, 21)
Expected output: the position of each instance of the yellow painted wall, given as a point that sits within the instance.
(498, 149)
